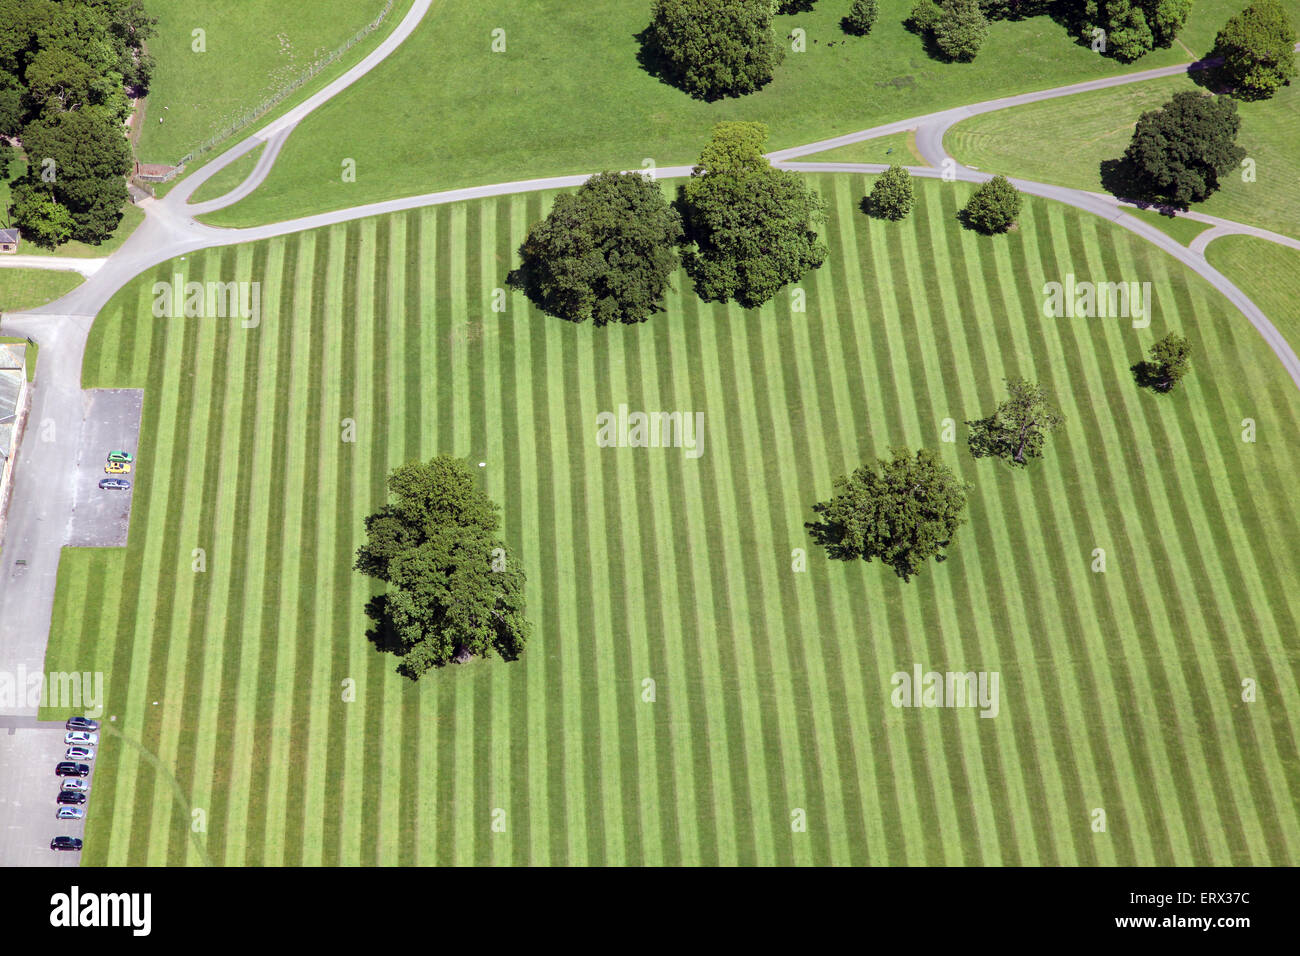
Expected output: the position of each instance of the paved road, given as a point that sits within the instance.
(87, 267)
(44, 490)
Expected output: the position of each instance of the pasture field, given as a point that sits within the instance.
(251, 50)
(228, 738)
(1064, 141)
(568, 95)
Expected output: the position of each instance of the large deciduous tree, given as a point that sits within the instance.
(1131, 28)
(606, 252)
(1258, 51)
(753, 229)
(90, 160)
(902, 512)
(453, 592)
(1018, 428)
(1178, 152)
(891, 196)
(714, 48)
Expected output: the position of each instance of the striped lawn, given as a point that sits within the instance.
(1121, 690)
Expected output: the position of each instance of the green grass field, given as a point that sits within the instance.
(228, 178)
(1120, 690)
(1268, 273)
(252, 50)
(1064, 141)
(532, 111)
(27, 288)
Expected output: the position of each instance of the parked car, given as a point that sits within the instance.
(125, 456)
(76, 783)
(65, 843)
(118, 468)
(80, 753)
(69, 769)
(114, 483)
(69, 813)
(80, 737)
(70, 797)
(81, 723)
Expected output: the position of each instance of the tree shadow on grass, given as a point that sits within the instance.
(1148, 375)
(1120, 178)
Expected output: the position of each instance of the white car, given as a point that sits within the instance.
(76, 783)
(80, 753)
(80, 737)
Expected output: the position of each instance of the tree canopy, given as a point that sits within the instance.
(904, 511)
(1178, 152)
(1258, 51)
(606, 252)
(453, 592)
(1171, 360)
(1018, 428)
(993, 207)
(752, 228)
(1132, 28)
(891, 196)
(961, 29)
(714, 48)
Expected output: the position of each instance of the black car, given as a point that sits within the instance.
(71, 798)
(69, 769)
(82, 723)
(65, 843)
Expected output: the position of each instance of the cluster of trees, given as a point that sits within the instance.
(1131, 28)
(742, 229)
(907, 508)
(953, 29)
(66, 68)
(453, 593)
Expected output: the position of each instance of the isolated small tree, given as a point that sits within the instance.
(1171, 359)
(39, 216)
(606, 252)
(1018, 428)
(1257, 46)
(903, 512)
(993, 207)
(961, 29)
(1179, 151)
(861, 17)
(714, 48)
(752, 229)
(891, 196)
(453, 592)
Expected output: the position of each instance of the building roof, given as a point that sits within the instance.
(9, 235)
(13, 355)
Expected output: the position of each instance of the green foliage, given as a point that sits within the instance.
(1134, 27)
(452, 591)
(1013, 9)
(714, 48)
(1179, 151)
(91, 157)
(1018, 429)
(753, 228)
(606, 252)
(1257, 46)
(861, 17)
(891, 196)
(40, 217)
(924, 17)
(993, 207)
(903, 513)
(961, 29)
(1171, 359)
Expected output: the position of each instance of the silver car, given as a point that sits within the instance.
(70, 813)
(80, 753)
(77, 784)
(80, 737)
